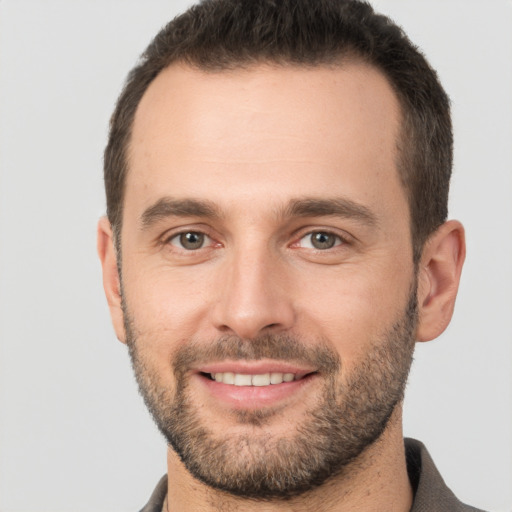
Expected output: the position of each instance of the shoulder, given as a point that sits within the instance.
(156, 501)
(431, 494)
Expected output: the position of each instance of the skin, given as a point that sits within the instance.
(251, 142)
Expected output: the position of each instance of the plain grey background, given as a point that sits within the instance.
(74, 434)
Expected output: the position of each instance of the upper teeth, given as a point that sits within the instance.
(243, 379)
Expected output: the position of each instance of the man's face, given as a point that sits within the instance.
(267, 275)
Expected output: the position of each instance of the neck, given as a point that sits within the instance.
(376, 481)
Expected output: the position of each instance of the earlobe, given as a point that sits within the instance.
(111, 280)
(438, 279)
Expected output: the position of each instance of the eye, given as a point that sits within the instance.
(190, 240)
(320, 240)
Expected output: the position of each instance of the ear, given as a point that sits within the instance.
(438, 279)
(111, 281)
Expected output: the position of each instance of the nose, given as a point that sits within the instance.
(254, 295)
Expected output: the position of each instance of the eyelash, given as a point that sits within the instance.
(177, 236)
(208, 240)
(338, 239)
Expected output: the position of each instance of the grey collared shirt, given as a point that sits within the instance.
(430, 492)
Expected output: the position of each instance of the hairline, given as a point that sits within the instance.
(346, 57)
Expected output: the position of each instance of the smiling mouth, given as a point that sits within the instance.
(246, 386)
(259, 380)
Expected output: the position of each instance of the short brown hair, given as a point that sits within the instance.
(225, 34)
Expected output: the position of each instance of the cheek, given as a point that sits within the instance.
(165, 304)
(353, 310)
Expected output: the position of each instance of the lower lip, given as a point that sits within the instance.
(251, 397)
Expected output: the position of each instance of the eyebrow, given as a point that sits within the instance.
(307, 207)
(169, 207)
(336, 207)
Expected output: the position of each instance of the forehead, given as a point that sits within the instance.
(233, 133)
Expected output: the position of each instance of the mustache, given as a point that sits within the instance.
(277, 347)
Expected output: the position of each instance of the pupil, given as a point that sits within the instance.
(323, 240)
(192, 240)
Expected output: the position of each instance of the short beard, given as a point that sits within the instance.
(349, 416)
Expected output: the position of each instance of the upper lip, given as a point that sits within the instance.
(255, 367)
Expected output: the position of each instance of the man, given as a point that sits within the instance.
(276, 241)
